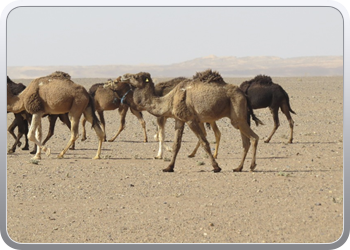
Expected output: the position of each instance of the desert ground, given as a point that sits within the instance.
(294, 196)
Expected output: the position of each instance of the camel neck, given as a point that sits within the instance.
(14, 103)
(148, 100)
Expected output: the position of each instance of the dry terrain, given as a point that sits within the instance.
(295, 195)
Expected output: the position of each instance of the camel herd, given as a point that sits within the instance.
(202, 99)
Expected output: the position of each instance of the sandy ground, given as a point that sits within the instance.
(295, 195)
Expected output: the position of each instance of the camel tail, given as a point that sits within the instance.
(91, 105)
(251, 112)
(287, 97)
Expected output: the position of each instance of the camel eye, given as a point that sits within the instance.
(146, 80)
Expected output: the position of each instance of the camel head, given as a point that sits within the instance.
(139, 80)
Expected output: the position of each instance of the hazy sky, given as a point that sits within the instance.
(42, 36)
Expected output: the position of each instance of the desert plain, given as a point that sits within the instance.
(294, 196)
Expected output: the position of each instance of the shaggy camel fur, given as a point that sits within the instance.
(162, 89)
(21, 121)
(263, 93)
(55, 94)
(185, 104)
(106, 99)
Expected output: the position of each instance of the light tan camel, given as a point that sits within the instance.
(162, 89)
(205, 98)
(55, 94)
(107, 99)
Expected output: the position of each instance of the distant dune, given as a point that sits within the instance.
(228, 66)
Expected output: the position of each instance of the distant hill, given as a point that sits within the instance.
(227, 66)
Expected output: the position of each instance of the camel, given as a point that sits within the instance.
(21, 122)
(55, 94)
(186, 104)
(162, 89)
(263, 93)
(107, 99)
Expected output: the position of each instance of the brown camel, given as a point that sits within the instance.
(263, 93)
(21, 122)
(162, 89)
(106, 99)
(55, 94)
(185, 104)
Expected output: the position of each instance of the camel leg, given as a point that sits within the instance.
(11, 129)
(285, 110)
(196, 128)
(52, 121)
(198, 143)
(276, 121)
(248, 137)
(217, 134)
(74, 121)
(161, 133)
(103, 123)
(83, 121)
(65, 119)
(22, 126)
(24, 130)
(179, 129)
(138, 114)
(122, 112)
(34, 135)
(89, 115)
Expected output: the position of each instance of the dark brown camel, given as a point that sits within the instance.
(263, 93)
(162, 89)
(21, 122)
(55, 94)
(185, 104)
(106, 99)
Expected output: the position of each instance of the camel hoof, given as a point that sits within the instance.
(60, 156)
(83, 139)
(168, 170)
(47, 151)
(267, 141)
(217, 170)
(158, 157)
(19, 144)
(239, 169)
(25, 148)
(110, 140)
(10, 151)
(190, 156)
(97, 157)
(36, 158)
(252, 167)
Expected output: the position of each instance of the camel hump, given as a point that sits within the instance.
(59, 74)
(262, 79)
(208, 76)
(93, 88)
